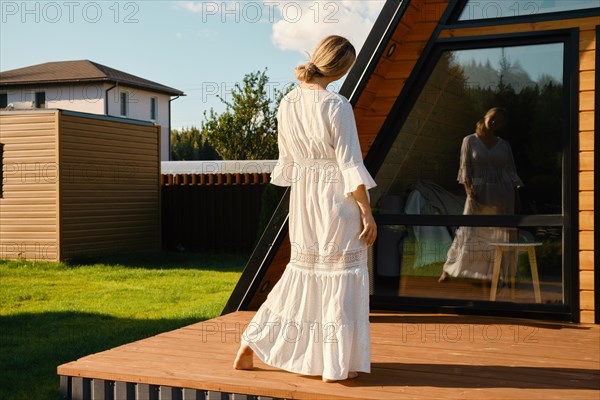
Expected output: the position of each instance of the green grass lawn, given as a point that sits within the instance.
(53, 313)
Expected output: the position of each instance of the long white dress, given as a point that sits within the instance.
(315, 321)
(493, 176)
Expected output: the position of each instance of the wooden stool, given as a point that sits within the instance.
(516, 247)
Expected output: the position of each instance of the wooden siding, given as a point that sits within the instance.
(28, 223)
(390, 75)
(109, 186)
(587, 73)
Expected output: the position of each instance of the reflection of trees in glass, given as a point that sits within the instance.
(456, 95)
(430, 139)
(507, 73)
(535, 127)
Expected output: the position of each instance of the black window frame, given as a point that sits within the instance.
(456, 10)
(3, 100)
(568, 220)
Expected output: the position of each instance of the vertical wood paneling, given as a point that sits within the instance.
(103, 390)
(28, 223)
(587, 86)
(109, 186)
(124, 391)
(383, 87)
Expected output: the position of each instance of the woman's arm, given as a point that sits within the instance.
(369, 232)
(470, 190)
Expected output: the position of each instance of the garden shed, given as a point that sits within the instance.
(76, 184)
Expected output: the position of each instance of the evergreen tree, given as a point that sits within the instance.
(189, 144)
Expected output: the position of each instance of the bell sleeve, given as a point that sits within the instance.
(284, 172)
(347, 150)
(465, 171)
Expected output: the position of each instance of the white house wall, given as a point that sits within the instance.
(139, 108)
(81, 97)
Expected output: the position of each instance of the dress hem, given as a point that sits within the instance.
(262, 357)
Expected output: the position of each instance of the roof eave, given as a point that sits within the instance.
(169, 91)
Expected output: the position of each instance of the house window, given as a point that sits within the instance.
(417, 182)
(489, 9)
(40, 99)
(3, 100)
(124, 101)
(153, 108)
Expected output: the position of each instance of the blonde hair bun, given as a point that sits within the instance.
(333, 57)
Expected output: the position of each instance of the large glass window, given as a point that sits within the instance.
(516, 170)
(486, 9)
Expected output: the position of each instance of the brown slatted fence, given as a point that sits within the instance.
(213, 212)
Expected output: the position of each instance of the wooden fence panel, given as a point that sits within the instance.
(213, 212)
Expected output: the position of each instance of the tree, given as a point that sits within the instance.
(189, 144)
(247, 129)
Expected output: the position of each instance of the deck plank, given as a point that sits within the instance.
(420, 356)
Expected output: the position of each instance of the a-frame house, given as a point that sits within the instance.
(428, 71)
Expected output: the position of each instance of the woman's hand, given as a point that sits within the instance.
(369, 232)
(470, 191)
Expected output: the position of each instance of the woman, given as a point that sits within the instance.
(487, 171)
(315, 321)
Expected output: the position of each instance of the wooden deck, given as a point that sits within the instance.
(414, 356)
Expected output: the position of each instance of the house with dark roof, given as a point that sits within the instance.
(87, 86)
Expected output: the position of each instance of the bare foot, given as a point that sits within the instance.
(244, 358)
(444, 277)
(351, 375)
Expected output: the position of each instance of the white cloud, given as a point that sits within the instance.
(369, 8)
(187, 5)
(304, 23)
(232, 11)
(297, 25)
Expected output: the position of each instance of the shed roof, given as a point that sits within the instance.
(20, 111)
(78, 71)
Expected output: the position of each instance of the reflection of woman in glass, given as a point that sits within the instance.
(487, 170)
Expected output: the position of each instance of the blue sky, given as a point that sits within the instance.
(200, 47)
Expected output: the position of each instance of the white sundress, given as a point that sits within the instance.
(315, 321)
(494, 178)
